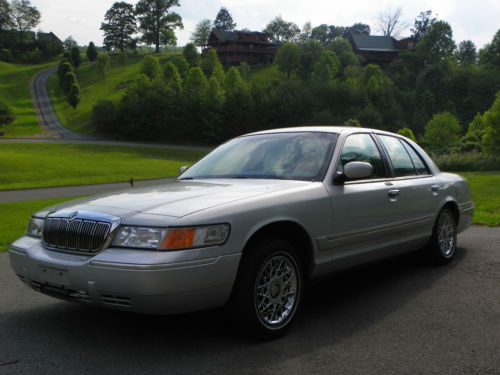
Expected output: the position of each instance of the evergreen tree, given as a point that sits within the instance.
(181, 64)
(466, 52)
(210, 63)
(191, 55)
(213, 111)
(150, 67)
(76, 57)
(74, 95)
(104, 64)
(69, 81)
(92, 52)
(224, 21)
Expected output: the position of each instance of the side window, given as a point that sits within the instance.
(401, 161)
(361, 147)
(420, 166)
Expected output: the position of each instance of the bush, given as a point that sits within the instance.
(464, 162)
(75, 57)
(69, 81)
(150, 67)
(32, 57)
(104, 117)
(92, 52)
(442, 132)
(74, 95)
(408, 133)
(104, 64)
(5, 55)
(6, 115)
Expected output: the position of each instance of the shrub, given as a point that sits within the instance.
(464, 162)
(6, 115)
(5, 55)
(104, 116)
(92, 52)
(442, 132)
(150, 67)
(69, 81)
(104, 64)
(408, 133)
(74, 95)
(75, 57)
(191, 55)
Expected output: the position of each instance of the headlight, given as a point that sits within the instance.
(171, 238)
(35, 227)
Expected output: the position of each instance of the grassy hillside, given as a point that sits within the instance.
(14, 91)
(44, 165)
(123, 71)
(94, 87)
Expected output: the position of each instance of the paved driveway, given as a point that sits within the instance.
(395, 317)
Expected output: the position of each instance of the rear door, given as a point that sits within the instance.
(418, 190)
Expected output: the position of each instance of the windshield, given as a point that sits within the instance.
(291, 156)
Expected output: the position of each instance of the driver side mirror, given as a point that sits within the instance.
(355, 170)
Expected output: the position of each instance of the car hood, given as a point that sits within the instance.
(179, 198)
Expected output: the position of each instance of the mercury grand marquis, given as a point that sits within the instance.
(248, 225)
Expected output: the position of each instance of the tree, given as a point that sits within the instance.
(491, 138)
(390, 23)
(423, 23)
(6, 115)
(181, 64)
(490, 55)
(65, 67)
(213, 111)
(74, 96)
(281, 31)
(150, 67)
(69, 43)
(68, 82)
(104, 64)
(5, 19)
(92, 52)
(119, 26)
(466, 52)
(321, 34)
(359, 28)
(326, 69)
(76, 57)
(408, 133)
(306, 32)
(201, 32)
(310, 53)
(224, 21)
(24, 16)
(191, 55)
(173, 78)
(157, 23)
(288, 58)
(211, 63)
(437, 44)
(104, 116)
(343, 50)
(442, 132)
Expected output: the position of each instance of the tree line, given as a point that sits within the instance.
(433, 93)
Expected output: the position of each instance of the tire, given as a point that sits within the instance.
(443, 243)
(268, 289)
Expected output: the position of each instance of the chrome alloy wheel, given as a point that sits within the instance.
(446, 234)
(276, 291)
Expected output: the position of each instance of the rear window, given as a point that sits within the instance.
(400, 158)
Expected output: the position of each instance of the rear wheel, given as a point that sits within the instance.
(443, 243)
(268, 289)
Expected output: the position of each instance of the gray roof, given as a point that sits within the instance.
(374, 43)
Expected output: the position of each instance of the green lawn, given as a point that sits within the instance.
(485, 188)
(15, 217)
(44, 165)
(14, 91)
(262, 75)
(94, 87)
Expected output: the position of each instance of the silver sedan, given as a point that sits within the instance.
(248, 225)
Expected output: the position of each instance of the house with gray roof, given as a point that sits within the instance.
(379, 49)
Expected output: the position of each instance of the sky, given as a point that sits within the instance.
(475, 20)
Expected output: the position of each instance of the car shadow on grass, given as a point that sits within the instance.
(71, 337)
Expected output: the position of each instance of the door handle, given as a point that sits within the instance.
(393, 193)
(434, 188)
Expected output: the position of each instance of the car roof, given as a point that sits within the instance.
(323, 129)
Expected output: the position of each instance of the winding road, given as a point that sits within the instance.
(43, 105)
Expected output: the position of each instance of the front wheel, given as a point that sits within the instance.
(268, 289)
(443, 243)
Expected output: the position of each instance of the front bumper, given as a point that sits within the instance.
(134, 280)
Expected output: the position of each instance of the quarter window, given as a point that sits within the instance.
(361, 147)
(401, 161)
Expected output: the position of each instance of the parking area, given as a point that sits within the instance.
(395, 317)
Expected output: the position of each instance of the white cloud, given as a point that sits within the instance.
(477, 20)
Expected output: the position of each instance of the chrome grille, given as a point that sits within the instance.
(79, 235)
